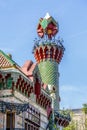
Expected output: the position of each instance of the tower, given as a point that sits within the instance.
(48, 53)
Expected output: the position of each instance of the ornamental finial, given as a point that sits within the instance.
(47, 16)
(47, 26)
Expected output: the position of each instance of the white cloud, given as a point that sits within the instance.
(6, 49)
(66, 88)
(73, 96)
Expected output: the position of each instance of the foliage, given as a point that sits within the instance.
(55, 127)
(71, 126)
(84, 109)
(86, 123)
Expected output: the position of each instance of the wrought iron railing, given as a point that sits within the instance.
(18, 107)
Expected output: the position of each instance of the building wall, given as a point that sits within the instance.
(43, 112)
(19, 119)
(79, 118)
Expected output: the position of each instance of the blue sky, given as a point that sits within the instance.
(18, 22)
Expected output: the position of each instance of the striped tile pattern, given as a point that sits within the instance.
(49, 72)
(5, 60)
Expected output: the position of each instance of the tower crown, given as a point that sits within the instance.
(48, 48)
(51, 52)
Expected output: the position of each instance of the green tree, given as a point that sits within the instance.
(84, 109)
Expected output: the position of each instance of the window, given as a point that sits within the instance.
(10, 120)
(30, 126)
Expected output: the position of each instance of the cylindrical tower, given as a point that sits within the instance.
(48, 53)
